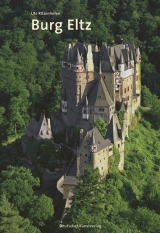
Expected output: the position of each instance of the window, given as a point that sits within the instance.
(85, 161)
(80, 154)
(86, 155)
(102, 168)
(124, 90)
(118, 145)
(131, 86)
(110, 149)
(137, 78)
(128, 88)
(101, 109)
(41, 133)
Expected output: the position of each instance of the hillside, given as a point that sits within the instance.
(31, 60)
(132, 197)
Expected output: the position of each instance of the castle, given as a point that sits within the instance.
(96, 82)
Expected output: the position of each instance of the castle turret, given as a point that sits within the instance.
(132, 59)
(128, 59)
(100, 68)
(96, 48)
(121, 64)
(138, 55)
(89, 64)
(79, 64)
(93, 146)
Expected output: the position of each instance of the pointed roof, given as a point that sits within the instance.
(93, 142)
(86, 101)
(100, 95)
(96, 48)
(93, 137)
(137, 51)
(40, 129)
(79, 60)
(100, 67)
(131, 47)
(113, 127)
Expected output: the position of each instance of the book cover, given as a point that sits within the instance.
(79, 116)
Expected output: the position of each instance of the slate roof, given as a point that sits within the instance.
(76, 51)
(113, 127)
(118, 49)
(105, 51)
(100, 95)
(98, 139)
(131, 47)
(39, 130)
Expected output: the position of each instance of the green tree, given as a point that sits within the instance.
(41, 210)
(17, 184)
(101, 126)
(46, 154)
(147, 220)
(120, 115)
(146, 97)
(11, 221)
(88, 203)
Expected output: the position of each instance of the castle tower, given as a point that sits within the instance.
(89, 64)
(93, 150)
(121, 64)
(128, 59)
(132, 59)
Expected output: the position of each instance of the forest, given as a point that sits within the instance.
(30, 77)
